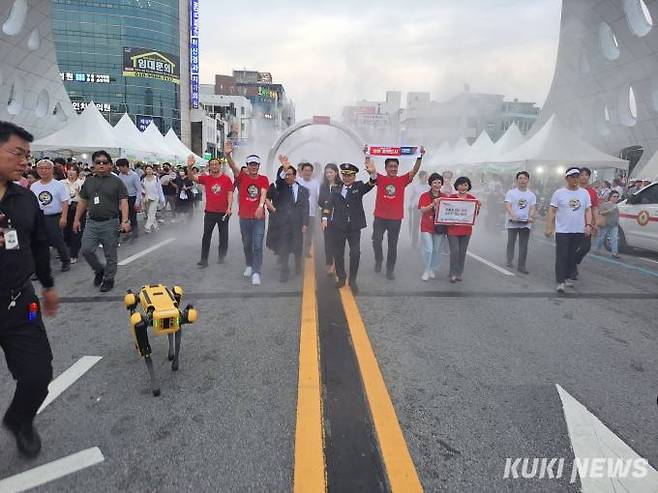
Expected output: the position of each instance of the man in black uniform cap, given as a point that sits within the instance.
(344, 211)
(23, 251)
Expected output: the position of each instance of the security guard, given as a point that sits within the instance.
(344, 210)
(23, 251)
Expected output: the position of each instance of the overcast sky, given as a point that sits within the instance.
(331, 55)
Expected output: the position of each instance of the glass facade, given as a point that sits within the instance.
(90, 37)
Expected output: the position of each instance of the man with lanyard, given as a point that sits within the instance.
(344, 210)
(252, 192)
(570, 218)
(389, 211)
(105, 197)
(23, 251)
(520, 204)
(54, 202)
(218, 189)
(586, 245)
(134, 186)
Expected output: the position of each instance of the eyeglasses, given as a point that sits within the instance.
(19, 153)
(101, 162)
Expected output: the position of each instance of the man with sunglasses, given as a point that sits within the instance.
(344, 210)
(23, 251)
(105, 197)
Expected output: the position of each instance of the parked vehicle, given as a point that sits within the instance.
(638, 219)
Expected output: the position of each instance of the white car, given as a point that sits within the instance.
(638, 219)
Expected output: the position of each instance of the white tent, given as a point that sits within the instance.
(479, 151)
(460, 149)
(175, 144)
(649, 171)
(554, 145)
(511, 140)
(130, 137)
(157, 144)
(88, 131)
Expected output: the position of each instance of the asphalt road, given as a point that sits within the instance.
(471, 369)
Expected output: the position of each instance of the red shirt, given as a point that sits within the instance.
(217, 190)
(460, 230)
(390, 196)
(249, 194)
(593, 197)
(427, 221)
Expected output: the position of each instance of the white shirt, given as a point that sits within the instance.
(571, 206)
(416, 189)
(313, 187)
(73, 188)
(151, 188)
(50, 196)
(521, 202)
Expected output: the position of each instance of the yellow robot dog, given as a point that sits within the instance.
(161, 311)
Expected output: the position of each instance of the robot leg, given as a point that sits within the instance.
(154, 382)
(177, 336)
(170, 352)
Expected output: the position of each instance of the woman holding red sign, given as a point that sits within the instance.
(431, 236)
(460, 235)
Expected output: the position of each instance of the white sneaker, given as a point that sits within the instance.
(569, 283)
(432, 275)
(247, 272)
(255, 279)
(74, 260)
(560, 288)
(425, 276)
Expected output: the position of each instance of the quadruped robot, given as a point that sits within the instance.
(161, 310)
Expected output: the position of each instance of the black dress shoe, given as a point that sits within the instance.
(28, 440)
(378, 266)
(523, 270)
(283, 277)
(107, 285)
(66, 266)
(98, 278)
(390, 276)
(340, 283)
(202, 264)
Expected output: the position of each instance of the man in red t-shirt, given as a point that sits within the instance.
(218, 190)
(389, 211)
(252, 190)
(586, 245)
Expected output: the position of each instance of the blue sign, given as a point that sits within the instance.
(194, 54)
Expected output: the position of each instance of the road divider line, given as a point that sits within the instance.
(309, 473)
(52, 470)
(68, 378)
(132, 258)
(649, 260)
(400, 469)
(491, 264)
(592, 440)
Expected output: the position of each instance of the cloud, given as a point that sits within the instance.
(336, 54)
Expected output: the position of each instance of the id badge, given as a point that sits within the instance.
(97, 200)
(11, 239)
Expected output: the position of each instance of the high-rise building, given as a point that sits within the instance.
(129, 56)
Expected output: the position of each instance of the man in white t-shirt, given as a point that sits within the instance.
(53, 197)
(570, 218)
(520, 204)
(313, 186)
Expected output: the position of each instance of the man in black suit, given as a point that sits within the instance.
(288, 202)
(344, 211)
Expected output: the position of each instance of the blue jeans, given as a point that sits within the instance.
(613, 233)
(253, 231)
(432, 245)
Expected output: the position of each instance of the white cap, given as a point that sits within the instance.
(252, 158)
(572, 171)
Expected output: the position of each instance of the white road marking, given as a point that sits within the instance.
(649, 260)
(51, 471)
(68, 378)
(591, 439)
(132, 258)
(491, 264)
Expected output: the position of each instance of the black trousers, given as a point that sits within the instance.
(28, 355)
(566, 254)
(353, 237)
(73, 240)
(583, 249)
(56, 237)
(132, 215)
(524, 236)
(392, 228)
(458, 246)
(210, 219)
(328, 246)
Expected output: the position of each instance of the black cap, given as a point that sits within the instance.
(349, 167)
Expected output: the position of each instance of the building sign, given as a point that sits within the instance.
(151, 64)
(79, 106)
(91, 78)
(265, 92)
(322, 120)
(194, 54)
(143, 121)
(264, 77)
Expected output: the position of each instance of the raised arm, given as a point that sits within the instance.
(228, 153)
(414, 171)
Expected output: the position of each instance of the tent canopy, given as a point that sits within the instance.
(88, 131)
(479, 151)
(181, 149)
(649, 171)
(554, 145)
(157, 144)
(460, 149)
(130, 136)
(511, 140)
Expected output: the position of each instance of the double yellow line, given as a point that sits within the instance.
(309, 469)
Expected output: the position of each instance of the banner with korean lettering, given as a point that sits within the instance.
(194, 54)
(151, 64)
(456, 212)
(387, 151)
